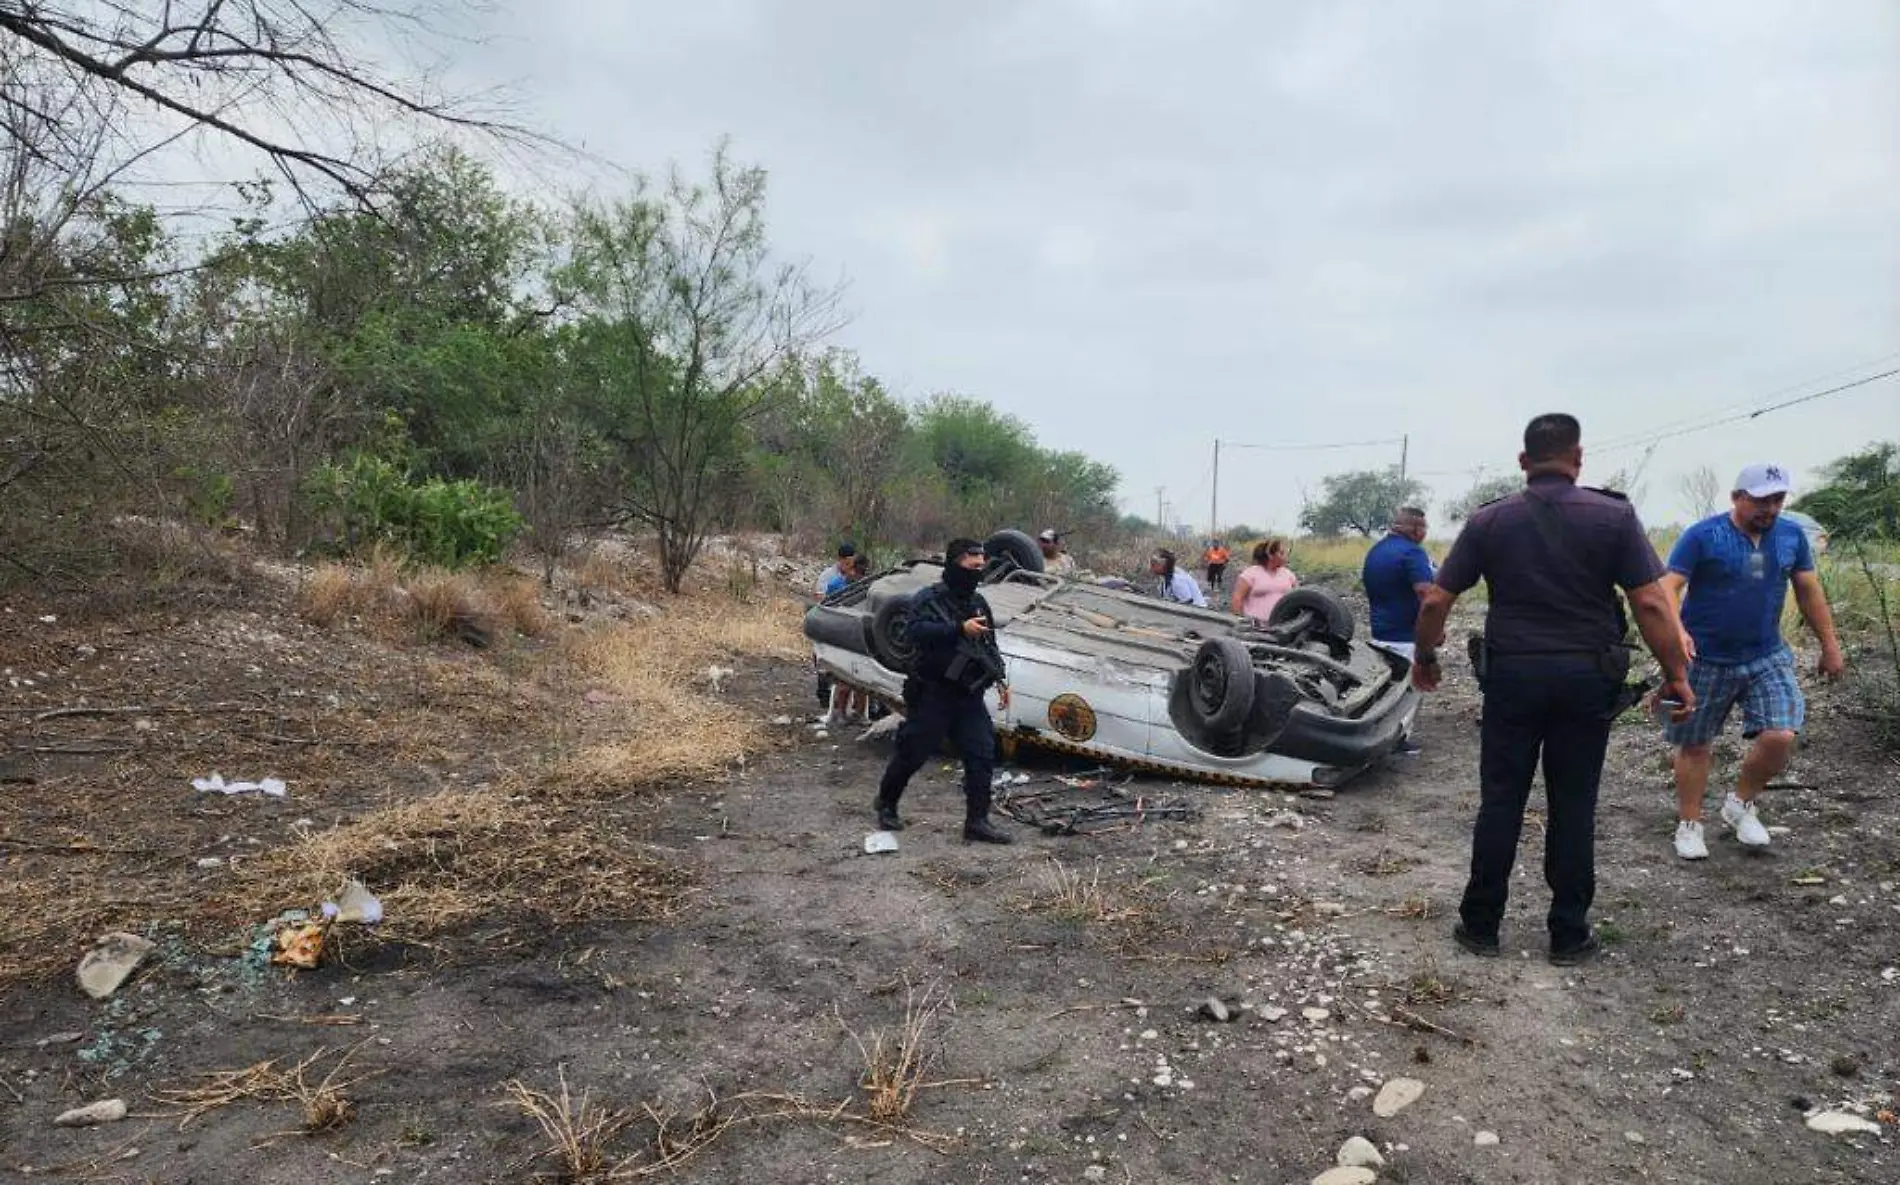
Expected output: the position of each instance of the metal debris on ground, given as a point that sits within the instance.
(1089, 804)
(215, 784)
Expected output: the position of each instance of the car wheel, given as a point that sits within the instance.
(1328, 610)
(838, 627)
(1221, 685)
(1018, 547)
(890, 636)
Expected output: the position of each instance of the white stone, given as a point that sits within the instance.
(1346, 1175)
(1358, 1152)
(111, 962)
(1835, 1123)
(106, 1111)
(1094, 1172)
(1316, 1014)
(1396, 1096)
(1485, 1139)
(1272, 1012)
(1359, 1092)
(1635, 1137)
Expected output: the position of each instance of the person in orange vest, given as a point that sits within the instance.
(1216, 557)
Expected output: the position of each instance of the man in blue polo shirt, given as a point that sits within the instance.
(1737, 568)
(1397, 572)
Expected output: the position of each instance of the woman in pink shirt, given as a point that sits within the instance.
(1261, 586)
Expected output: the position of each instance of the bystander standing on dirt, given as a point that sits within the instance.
(1174, 584)
(1260, 586)
(823, 588)
(1551, 667)
(1736, 568)
(1396, 575)
(847, 705)
(1056, 559)
(954, 634)
(1215, 558)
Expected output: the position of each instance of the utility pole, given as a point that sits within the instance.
(1160, 511)
(1405, 449)
(1213, 505)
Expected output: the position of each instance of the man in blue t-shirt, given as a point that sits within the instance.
(1737, 568)
(1396, 575)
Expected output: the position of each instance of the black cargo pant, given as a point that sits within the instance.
(935, 710)
(1557, 706)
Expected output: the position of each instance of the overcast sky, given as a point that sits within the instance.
(1142, 226)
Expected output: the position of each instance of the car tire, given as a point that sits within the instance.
(1221, 685)
(1331, 612)
(890, 636)
(1019, 548)
(1275, 697)
(844, 628)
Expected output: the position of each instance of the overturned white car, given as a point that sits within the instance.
(1115, 676)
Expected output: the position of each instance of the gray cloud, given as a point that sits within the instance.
(1140, 226)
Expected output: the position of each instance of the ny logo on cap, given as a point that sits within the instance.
(1775, 474)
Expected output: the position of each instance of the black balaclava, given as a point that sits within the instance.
(961, 580)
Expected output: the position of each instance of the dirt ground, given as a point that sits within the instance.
(1057, 989)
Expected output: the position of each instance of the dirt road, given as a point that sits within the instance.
(1060, 988)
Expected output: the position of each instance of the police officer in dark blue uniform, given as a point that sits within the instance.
(954, 634)
(1552, 666)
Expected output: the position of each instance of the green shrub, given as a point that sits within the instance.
(367, 500)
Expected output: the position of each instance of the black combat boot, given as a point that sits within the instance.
(981, 830)
(887, 818)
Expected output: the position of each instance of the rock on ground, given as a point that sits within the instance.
(104, 1111)
(1346, 1175)
(111, 962)
(1396, 1095)
(1358, 1152)
(1836, 1123)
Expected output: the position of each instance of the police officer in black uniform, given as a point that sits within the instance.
(1552, 666)
(954, 634)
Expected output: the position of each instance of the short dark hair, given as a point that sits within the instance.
(846, 551)
(1551, 435)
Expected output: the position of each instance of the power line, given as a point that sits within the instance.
(1628, 438)
(1756, 413)
(1271, 448)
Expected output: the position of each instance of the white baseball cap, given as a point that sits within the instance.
(1048, 536)
(1762, 481)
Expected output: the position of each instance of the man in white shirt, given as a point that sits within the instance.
(1175, 585)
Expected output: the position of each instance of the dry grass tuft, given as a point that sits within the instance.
(450, 858)
(1384, 862)
(517, 603)
(450, 605)
(336, 593)
(1412, 909)
(430, 603)
(323, 1105)
(897, 1064)
(1072, 895)
(674, 727)
(580, 1132)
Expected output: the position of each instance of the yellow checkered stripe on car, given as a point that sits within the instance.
(1043, 741)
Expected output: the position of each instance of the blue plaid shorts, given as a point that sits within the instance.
(1766, 688)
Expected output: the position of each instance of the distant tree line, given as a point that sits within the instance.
(450, 370)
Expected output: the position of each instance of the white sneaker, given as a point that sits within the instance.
(1741, 816)
(1689, 844)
